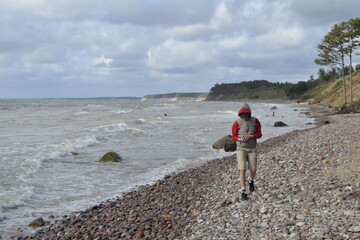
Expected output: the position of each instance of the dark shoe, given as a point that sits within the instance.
(251, 186)
(244, 196)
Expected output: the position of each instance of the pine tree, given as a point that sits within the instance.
(352, 35)
(332, 51)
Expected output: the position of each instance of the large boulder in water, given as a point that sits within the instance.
(111, 157)
(279, 124)
(227, 143)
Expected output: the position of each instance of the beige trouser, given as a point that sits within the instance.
(247, 156)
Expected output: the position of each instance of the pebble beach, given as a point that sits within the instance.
(307, 187)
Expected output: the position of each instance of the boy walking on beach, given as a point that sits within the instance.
(245, 131)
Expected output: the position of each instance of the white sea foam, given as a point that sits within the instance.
(82, 113)
(70, 145)
(122, 111)
(163, 107)
(140, 121)
(112, 127)
(95, 105)
(18, 197)
(232, 113)
(32, 164)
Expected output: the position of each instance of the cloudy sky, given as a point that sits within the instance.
(115, 48)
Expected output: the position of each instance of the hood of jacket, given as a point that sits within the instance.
(245, 108)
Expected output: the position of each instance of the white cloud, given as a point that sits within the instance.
(221, 17)
(56, 68)
(324, 13)
(129, 45)
(173, 55)
(44, 54)
(278, 38)
(102, 61)
(188, 31)
(20, 5)
(221, 20)
(233, 43)
(52, 10)
(164, 13)
(254, 9)
(3, 60)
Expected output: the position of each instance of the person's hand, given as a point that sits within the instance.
(247, 138)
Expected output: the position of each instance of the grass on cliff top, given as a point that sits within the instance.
(317, 94)
(331, 93)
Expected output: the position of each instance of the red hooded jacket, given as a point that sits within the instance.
(235, 127)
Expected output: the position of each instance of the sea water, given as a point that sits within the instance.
(49, 148)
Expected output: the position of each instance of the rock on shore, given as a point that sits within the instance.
(279, 124)
(226, 143)
(303, 192)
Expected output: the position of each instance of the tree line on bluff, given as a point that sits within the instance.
(343, 40)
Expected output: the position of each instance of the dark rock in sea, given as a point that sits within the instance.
(273, 108)
(226, 143)
(37, 223)
(279, 124)
(111, 157)
(74, 153)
